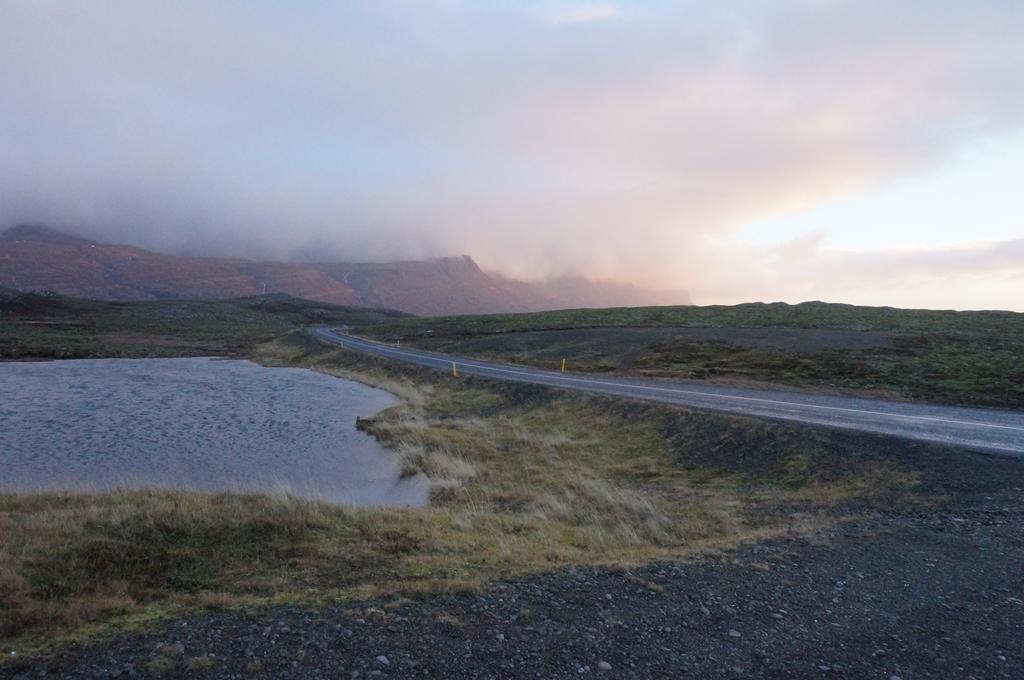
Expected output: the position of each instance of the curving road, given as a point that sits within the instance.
(989, 430)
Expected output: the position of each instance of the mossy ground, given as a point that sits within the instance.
(44, 326)
(968, 358)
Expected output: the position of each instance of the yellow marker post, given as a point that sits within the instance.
(455, 371)
(563, 365)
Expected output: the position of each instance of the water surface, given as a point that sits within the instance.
(202, 424)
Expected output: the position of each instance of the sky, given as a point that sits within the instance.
(853, 151)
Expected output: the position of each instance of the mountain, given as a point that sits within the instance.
(40, 258)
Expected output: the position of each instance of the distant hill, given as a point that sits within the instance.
(40, 258)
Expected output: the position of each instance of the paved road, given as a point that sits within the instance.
(989, 430)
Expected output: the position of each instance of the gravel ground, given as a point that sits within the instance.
(931, 593)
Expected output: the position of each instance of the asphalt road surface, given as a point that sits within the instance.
(991, 430)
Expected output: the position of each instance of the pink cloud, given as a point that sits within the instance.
(628, 148)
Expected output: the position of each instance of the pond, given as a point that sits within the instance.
(200, 424)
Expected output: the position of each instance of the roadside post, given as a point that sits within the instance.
(563, 365)
(455, 371)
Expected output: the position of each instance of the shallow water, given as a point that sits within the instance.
(202, 424)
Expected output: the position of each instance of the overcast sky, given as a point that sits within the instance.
(862, 151)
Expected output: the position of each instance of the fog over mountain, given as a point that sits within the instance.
(630, 141)
(36, 258)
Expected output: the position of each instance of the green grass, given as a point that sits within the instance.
(970, 358)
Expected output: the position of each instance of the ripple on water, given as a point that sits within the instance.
(200, 424)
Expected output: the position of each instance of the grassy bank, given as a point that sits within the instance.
(524, 480)
(45, 326)
(970, 358)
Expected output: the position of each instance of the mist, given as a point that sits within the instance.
(624, 141)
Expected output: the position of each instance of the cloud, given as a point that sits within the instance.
(988, 274)
(580, 14)
(626, 148)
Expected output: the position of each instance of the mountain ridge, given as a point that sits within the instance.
(37, 257)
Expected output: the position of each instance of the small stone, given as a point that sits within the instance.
(734, 634)
(776, 616)
(705, 611)
(169, 649)
(383, 660)
(500, 637)
(603, 666)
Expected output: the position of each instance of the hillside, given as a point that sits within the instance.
(39, 258)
